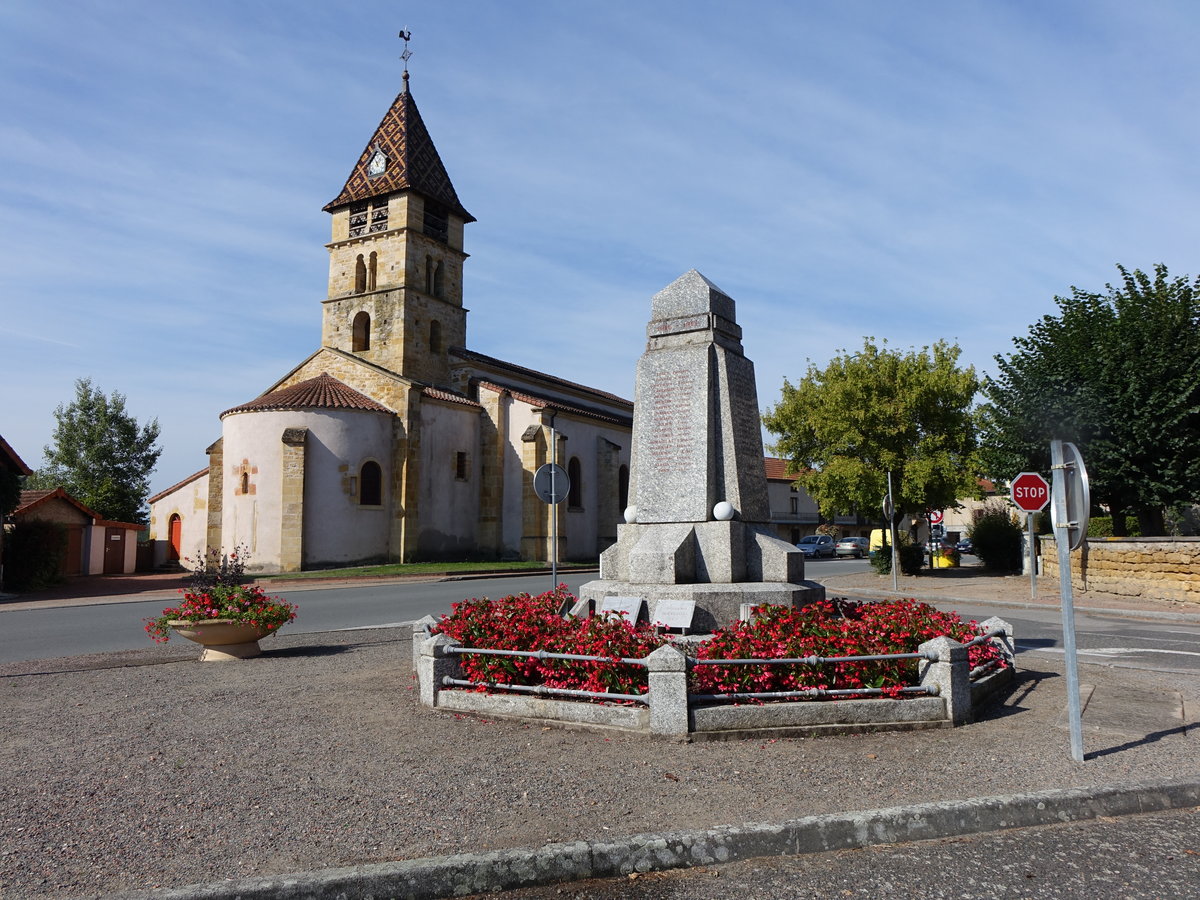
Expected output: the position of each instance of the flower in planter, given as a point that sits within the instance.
(214, 591)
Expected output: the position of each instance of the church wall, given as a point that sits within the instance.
(190, 503)
(449, 504)
(337, 530)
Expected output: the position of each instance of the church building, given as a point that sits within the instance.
(393, 441)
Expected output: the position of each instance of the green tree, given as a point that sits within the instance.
(100, 454)
(844, 427)
(1117, 373)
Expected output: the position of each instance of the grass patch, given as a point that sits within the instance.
(392, 570)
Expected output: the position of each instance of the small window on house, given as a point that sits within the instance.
(460, 466)
(362, 332)
(435, 336)
(372, 270)
(439, 286)
(370, 484)
(360, 275)
(575, 495)
(795, 506)
(245, 483)
(622, 489)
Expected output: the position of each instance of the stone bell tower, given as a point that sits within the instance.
(396, 254)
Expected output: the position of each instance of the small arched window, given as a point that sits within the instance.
(622, 488)
(360, 275)
(435, 336)
(372, 270)
(575, 495)
(438, 281)
(245, 483)
(362, 332)
(428, 274)
(370, 484)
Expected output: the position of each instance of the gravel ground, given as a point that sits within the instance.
(148, 769)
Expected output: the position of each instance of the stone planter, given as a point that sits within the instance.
(222, 638)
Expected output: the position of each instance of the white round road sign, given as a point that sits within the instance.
(541, 483)
(936, 516)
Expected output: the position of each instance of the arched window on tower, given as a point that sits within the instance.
(245, 483)
(362, 332)
(622, 489)
(428, 274)
(439, 287)
(575, 495)
(372, 270)
(360, 275)
(370, 484)
(435, 336)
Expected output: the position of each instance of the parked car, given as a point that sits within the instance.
(858, 547)
(817, 545)
(965, 546)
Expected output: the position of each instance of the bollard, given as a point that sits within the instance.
(668, 693)
(952, 676)
(435, 665)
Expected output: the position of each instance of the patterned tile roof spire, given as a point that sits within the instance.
(400, 156)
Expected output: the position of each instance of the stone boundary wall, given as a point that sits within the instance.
(1162, 568)
(672, 714)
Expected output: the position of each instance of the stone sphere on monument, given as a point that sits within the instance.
(724, 511)
(630, 515)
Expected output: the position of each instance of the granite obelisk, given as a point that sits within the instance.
(698, 525)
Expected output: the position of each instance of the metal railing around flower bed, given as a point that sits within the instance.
(669, 708)
(809, 693)
(542, 689)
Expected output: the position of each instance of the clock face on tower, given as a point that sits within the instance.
(377, 164)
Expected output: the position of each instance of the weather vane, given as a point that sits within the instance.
(405, 34)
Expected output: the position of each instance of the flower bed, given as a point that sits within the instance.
(828, 629)
(832, 628)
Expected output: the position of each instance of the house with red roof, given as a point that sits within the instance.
(95, 546)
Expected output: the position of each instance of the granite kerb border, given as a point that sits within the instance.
(478, 873)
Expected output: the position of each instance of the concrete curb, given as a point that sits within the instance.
(477, 873)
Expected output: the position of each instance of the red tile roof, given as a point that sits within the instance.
(547, 403)
(322, 392)
(33, 499)
(448, 397)
(14, 461)
(777, 469)
(483, 359)
(413, 162)
(178, 485)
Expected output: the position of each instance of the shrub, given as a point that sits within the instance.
(1102, 526)
(997, 540)
(34, 551)
(912, 557)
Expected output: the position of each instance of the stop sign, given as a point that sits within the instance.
(1030, 491)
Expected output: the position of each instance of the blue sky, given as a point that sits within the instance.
(910, 171)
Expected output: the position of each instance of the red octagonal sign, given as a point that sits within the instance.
(1030, 491)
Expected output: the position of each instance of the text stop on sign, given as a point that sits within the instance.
(1030, 491)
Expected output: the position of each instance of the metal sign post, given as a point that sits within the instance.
(890, 511)
(552, 485)
(1069, 511)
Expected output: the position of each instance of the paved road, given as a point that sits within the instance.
(107, 627)
(1151, 856)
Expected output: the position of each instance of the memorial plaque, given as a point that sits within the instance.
(675, 613)
(629, 608)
